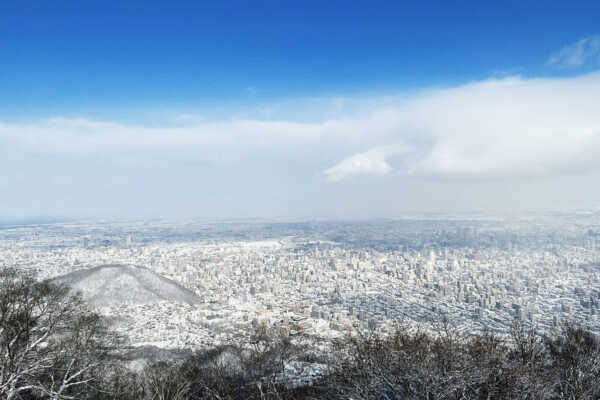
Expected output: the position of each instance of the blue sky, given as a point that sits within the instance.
(142, 108)
(95, 57)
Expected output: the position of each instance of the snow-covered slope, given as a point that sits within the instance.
(109, 285)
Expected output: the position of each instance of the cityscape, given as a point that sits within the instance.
(324, 279)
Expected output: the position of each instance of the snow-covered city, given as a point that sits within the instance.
(200, 284)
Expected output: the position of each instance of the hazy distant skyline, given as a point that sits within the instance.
(264, 110)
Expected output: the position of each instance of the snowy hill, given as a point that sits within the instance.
(110, 285)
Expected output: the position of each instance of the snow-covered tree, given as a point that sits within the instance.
(51, 344)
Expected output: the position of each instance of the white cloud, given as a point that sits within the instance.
(503, 128)
(371, 162)
(213, 141)
(498, 128)
(578, 53)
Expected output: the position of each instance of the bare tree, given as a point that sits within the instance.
(165, 382)
(50, 343)
(576, 358)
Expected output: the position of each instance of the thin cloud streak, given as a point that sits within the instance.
(577, 54)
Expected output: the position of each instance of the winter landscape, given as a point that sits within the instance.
(203, 284)
(273, 200)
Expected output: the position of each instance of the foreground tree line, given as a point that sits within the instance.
(53, 347)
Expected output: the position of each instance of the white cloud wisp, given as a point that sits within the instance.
(371, 162)
(577, 54)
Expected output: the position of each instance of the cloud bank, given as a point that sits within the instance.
(492, 129)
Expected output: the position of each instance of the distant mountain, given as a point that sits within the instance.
(6, 223)
(110, 285)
